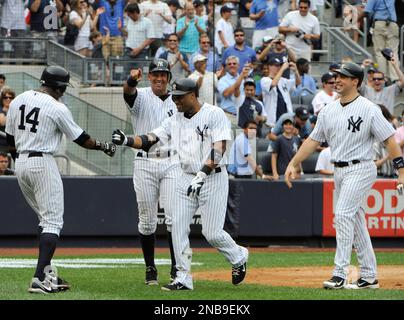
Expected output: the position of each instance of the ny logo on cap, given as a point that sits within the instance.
(160, 63)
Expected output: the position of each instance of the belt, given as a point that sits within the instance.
(216, 170)
(32, 154)
(385, 20)
(341, 164)
(155, 155)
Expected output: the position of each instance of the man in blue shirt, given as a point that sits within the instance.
(213, 63)
(244, 53)
(302, 126)
(307, 81)
(112, 19)
(231, 88)
(385, 32)
(265, 14)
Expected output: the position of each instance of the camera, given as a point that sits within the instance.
(300, 34)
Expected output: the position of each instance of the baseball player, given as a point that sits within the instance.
(199, 134)
(35, 124)
(350, 125)
(155, 170)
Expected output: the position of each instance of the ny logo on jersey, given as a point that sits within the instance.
(170, 113)
(202, 133)
(354, 124)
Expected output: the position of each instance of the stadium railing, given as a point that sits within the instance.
(23, 50)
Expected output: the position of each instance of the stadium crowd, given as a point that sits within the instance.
(250, 57)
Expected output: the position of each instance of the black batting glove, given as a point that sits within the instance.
(109, 149)
(119, 138)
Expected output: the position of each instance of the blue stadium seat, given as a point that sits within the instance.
(264, 159)
(309, 165)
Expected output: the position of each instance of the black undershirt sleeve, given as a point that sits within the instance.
(82, 138)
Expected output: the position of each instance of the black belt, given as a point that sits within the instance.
(341, 164)
(155, 155)
(216, 170)
(32, 154)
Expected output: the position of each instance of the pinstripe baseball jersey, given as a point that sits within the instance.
(351, 130)
(148, 112)
(37, 121)
(193, 137)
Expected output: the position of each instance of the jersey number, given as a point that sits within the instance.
(31, 118)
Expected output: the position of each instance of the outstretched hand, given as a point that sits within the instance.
(119, 137)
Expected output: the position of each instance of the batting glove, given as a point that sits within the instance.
(118, 137)
(109, 149)
(196, 184)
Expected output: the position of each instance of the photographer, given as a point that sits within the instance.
(276, 48)
(300, 28)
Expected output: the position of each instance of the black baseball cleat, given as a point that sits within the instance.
(43, 287)
(151, 276)
(174, 286)
(362, 283)
(238, 274)
(173, 273)
(335, 283)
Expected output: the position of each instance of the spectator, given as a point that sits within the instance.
(284, 148)
(383, 163)
(2, 81)
(169, 28)
(300, 28)
(231, 89)
(379, 93)
(38, 26)
(241, 158)
(140, 33)
(369, 79)
(200, 12)
(189, 28)
(324, 165)
(244, 14)
(158, 12)
(307, 81)
(112, 19)
(302, 126)
(251, 108)
(213, 63)
(327, 95)
(7, 95)
(80, 16)
(206, 80)
(385, 32)
(224, 31)
(178, 60)
(265, 15)
(399, 137)
(244, 53)
(12, 22)
(4, 163)
(276, 48)
(276, 90)
(319, 7)
(98, 42)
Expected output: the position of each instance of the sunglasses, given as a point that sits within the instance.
(239, 35)
(378, 79)
(172, 40)
(232, 64)
(331, 82)
(8, 98)
(205, 42)
(304, 8)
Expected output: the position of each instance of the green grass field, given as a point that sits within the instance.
(128, 282)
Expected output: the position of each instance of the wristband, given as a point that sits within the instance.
(131, 82)
(398, 163)
(97, 145)
(130, 142)
(206, 170)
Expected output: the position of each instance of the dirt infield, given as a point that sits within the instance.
(390, 277)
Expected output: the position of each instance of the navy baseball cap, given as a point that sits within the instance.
(328, 76)
(302, 113)
(334, 66)
(274, 61)
(225, 9)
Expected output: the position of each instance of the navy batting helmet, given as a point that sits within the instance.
(183, 86)
(55, 77)
(160, 65)
(351, 70)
